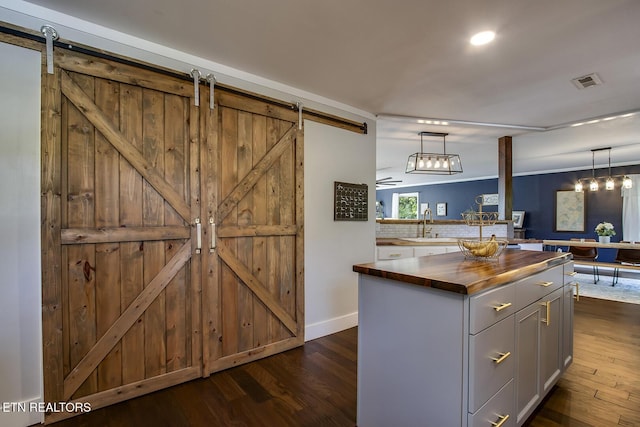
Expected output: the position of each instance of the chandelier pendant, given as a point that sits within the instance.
(434, 163)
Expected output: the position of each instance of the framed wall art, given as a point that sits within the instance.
(570, 211)
(441, 209)
(490, 199)
(518, 218)
(350, 201)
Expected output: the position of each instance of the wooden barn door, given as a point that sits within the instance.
(135, 179)
(254, 299)
(121, 189)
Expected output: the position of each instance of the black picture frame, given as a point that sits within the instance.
(350, 201)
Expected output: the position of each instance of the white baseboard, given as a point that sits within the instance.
(330, 326)
(19, 414)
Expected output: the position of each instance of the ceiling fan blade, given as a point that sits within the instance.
(386, 180)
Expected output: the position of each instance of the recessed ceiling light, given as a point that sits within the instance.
(483, 37)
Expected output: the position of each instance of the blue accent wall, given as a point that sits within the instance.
(534, 194)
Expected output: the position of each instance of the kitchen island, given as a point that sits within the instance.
(449, 341)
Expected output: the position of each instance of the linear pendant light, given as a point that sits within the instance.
(434, 163)
(609, 183)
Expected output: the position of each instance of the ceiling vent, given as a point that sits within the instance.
(589, 80)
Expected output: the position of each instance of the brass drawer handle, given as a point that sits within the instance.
(547, 304)
(500, 359)
(394, 255)
(501, 420)
(573, 273)
(545, 284)
(501, 306)
(577, 285)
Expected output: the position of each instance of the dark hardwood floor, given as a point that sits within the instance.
(315, 385)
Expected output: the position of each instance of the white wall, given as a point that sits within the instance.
(20, 273)
(332, 247)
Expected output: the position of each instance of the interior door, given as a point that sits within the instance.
(121, 185)
(255, 299)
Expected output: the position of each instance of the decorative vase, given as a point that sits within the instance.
(604, 239)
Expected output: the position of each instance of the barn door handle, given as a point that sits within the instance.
(198, 236)
(212, 248)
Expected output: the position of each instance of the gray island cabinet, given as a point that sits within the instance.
(446, 341)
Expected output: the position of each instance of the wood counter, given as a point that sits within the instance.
(452, 272)
(485, 353)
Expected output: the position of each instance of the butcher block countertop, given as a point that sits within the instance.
(452, 272)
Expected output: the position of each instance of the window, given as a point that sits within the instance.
(405, 206)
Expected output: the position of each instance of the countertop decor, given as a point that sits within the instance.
(480, 249)
(605, 229)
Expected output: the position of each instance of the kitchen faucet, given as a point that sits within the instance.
(424, 221)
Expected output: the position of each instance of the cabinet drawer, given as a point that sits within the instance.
(491, 307)
(533, 288)
(491, 361)
(429, 250)
(394, 252)
(500, 406)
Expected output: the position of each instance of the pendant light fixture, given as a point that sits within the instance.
(593, 185)
(434, 163)
(609, 183)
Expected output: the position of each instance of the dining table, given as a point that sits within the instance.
(591, 244)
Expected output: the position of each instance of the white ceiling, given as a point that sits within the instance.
(412, 58)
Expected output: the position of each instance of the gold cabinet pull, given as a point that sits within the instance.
(501, 306)
(394, 255)
(545, 284)
(502, 357)
(547, 321)
(501, 420)
(573, 273)
(577, 285)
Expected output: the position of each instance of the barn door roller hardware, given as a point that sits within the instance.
(50, 35)
(212, 84)
(196, 86)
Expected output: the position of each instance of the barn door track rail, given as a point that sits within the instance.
(49, 36)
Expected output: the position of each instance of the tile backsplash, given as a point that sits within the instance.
(449, 229)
